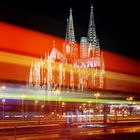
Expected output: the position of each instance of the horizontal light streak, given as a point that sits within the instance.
(33, 97)
(16, 59)
(21, 40)
(27, 61)
(24, 41)
(121, 76)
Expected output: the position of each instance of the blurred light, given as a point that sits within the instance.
(30, 96)
(97, 95)
(3, 100)
(122, 73)
(138, 107)
(63, 103)
(3, 87)
(23, 96)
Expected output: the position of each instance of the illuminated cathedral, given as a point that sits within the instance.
(73, 67)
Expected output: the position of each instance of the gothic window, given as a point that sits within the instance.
(68, 49)
(90, 52)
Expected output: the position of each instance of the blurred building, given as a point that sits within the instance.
(76, 67)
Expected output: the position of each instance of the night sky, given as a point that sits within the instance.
(116, 21)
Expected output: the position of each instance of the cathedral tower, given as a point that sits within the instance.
(83, 47)
(70, 48)
(91, 36)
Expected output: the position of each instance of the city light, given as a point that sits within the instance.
(30, 96)
(64, 88)
(97, 95)
(36, 102)
(130, 100)
(42, 106)
(3, 87)
(3, 103)
(18, 62)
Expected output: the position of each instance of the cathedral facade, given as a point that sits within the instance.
(73, 67)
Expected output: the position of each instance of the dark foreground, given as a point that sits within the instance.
(50, 131)
(121, 136)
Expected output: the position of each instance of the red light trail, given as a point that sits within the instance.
(22, 44)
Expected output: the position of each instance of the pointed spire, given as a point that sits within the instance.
(91, 29)
(67, 37)
(70, 32)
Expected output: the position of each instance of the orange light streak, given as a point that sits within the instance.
(19, 45)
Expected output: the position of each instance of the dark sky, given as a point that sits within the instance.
(116, 21)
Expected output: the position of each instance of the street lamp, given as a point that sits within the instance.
(41, 110)
(42, 107)
(130, 99)
(97, 95)
(36, 106)
(22, 104)
(3, 87)
(63, 104)
(3, 103)
(57, 92)
(59, 101)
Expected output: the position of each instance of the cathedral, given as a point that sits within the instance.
(73, 67)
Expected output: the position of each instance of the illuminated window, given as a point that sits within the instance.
(90, 52)
(67, 49)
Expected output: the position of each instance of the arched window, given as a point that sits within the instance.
(68, 49)
(90, 52)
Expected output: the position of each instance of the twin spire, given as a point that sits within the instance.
(91, 36)
(70, 35)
